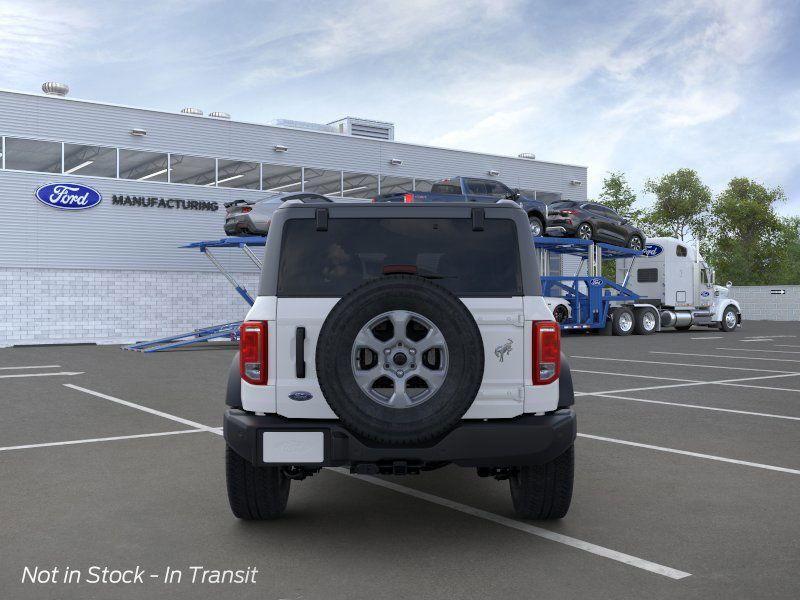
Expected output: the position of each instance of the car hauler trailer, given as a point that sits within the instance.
(671, 286)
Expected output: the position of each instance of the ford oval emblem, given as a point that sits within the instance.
(68, 196)
(705, 293)
(300, 396)
(596, 281)
(652, 250)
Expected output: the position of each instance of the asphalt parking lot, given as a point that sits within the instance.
(687, 484)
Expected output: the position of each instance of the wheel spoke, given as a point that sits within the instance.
(366, 378)
(399, 398)
(367, 339)
(399, 319)
(433, 377)
(433, 339)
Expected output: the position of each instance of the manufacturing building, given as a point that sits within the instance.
(110, 268)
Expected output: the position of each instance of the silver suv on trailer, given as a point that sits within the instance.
(394, 339)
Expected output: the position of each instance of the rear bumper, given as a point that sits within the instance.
(524, 440)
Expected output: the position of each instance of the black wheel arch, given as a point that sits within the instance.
(566, 392)
(233, 392)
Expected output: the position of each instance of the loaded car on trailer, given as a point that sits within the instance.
(380, 344)
(593, 221)
(471, 189)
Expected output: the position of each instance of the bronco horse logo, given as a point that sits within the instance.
(504, 349)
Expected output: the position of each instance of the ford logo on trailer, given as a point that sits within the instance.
(596, 281)
(68, 196)
(652, 250)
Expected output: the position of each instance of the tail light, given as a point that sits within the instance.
(546, 352)
(408, 198)
(247, 209)
(569, 212)
(253, 352)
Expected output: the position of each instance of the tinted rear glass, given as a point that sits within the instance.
(446, 188)
(352, 251)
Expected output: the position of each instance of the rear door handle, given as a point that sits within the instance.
(300, 352)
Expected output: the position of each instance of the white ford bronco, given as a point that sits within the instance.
(392, 339)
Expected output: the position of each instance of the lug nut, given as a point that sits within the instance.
(413, 366)
(386, 366)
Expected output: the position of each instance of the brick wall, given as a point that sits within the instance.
(759, 304)
(45, 306)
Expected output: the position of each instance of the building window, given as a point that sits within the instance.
(90, 160)
(396, 185)
(194, 170)
(143, 166)
(237, 174)
(280, 178)
(423, 185)
(320, 181)
(33, 155)
(359, 185)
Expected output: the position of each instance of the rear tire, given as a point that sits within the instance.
(622, 322)
(636, 242)
(255, 493)
(646, 322)
(544, 491)
(584, 232)
(560, 313)
(536, 225)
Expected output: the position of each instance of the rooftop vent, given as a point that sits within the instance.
(303, 125)
(376, 130)
(219, 115)
(51, 88)
(192, 111)
(527, 155)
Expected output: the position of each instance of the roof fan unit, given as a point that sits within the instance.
(52, 88)
(192, 111)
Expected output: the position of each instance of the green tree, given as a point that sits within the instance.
(681, 206)
(618, 195)
(750, 243)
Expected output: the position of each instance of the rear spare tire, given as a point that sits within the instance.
(400, 360)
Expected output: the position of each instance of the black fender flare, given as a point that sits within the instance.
(566, 393)
(233, 392)
(536, 213)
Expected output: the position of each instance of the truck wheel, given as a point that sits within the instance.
(400, 360)
(537, 229)
(255, 493)
(544, 491)
(645, 321)
(729, 320)
(622, 322)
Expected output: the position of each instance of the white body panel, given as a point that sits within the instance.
(506, 330)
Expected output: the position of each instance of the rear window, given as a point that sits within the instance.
(352, 251)
(446, 188)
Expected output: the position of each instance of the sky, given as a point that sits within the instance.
(639, 87)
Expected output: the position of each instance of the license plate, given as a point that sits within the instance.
(293, 447)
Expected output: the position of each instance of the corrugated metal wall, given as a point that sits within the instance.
(123, 237)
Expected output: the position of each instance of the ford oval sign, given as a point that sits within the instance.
(301, 396)
(705, 293)
(652, 250)
(596, 281)
(68, 196)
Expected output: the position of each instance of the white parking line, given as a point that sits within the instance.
(756, 340)
(146, 409)
(693, 454)
(655, 362)
(698, 406)
(787, 346)
(708, 337)
(759, 350)
(633, 375)
(627, 559)
(66, 373)
(734, 382)
(794, 360)
(31, 367)
(104, 439)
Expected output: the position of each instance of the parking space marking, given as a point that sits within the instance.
(699, 406)
(103, 439)
(146, 409)
(633, 375)
(65, 373)
(733, 382)
(627, 559)
(655, 362)
(692, 454)
(759, 350)
(31, 367)
(794, 360)
(787, 346)
(708, 337)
